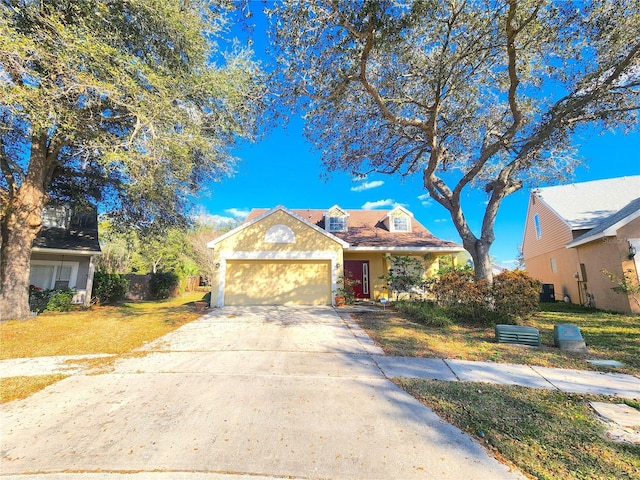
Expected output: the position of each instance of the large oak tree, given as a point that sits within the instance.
(485, 94)
(126, 101)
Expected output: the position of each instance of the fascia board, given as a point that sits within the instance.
(64, 251)
(405, 249)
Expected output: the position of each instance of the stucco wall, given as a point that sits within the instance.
(606, 253)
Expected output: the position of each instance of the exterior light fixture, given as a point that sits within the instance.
(632, 251)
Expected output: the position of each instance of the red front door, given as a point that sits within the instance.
(358, 270)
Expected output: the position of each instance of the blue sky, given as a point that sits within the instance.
(284, 169)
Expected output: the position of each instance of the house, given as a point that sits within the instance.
(283, 256)
(575, 232)
(64, 251)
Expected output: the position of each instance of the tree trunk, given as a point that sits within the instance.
(479, 251)
(19, 226)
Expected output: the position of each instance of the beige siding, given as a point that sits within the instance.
(539, 252)
(555, 232)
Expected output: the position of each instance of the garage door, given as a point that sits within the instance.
(277, 282)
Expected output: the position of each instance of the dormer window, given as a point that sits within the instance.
(398, 220)
(335, 219)
(57, 216)
(337, 224)
(400, 224)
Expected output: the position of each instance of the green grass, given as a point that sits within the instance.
(607, 335)
(116, 330)
(545, 433)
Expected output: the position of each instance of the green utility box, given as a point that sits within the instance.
(518, 334)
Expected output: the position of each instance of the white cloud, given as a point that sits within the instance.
(214, 220)
(425, 200)
(379, 203)
(367, 186)
(440, 220)
(238, 213)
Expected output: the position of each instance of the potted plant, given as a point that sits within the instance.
(346, 294)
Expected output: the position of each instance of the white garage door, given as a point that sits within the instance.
(277, 282)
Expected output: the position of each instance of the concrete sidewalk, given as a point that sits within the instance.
(260, 392)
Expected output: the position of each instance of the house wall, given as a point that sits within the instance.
(251, 244)
(610, 254)
(84, 273)
(539, 252)
(555, 232)
(379, 265)
(377, 268)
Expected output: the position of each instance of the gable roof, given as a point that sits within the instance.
(585, 205)
(80, 238)
(611, 224)
(366, 231)
(256, 215)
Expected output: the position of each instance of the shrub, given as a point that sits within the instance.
(109, 287)
(426, 313)
(512, 296)
(60, 301)
(163, 285)
(405, 277)
(516, 295)
(50, 300)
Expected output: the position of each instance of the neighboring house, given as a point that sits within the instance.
(574, 232)
(283, 256)
(64, 251)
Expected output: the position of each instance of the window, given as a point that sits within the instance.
(337, 224)
(554, 266)
(50, 274)
(536, 222)
(56, 216)
(400, 224)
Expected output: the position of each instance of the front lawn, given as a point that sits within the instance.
(110, 329)
(608, 337)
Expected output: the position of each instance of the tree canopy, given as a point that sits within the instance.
(130, 102)
(485, 94)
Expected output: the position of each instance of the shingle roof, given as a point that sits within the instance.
(587, 204)
(81, 236)
(624, 215)
(366, 229)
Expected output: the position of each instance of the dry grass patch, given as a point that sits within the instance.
(608, 336)
(16, 388)
(115, 330)
(546, 433)
(108, 329)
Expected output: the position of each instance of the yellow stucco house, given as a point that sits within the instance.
(283, 256)
(574, 232)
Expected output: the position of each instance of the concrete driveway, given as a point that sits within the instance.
(259, 392)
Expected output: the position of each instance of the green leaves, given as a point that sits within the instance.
(136, 85)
